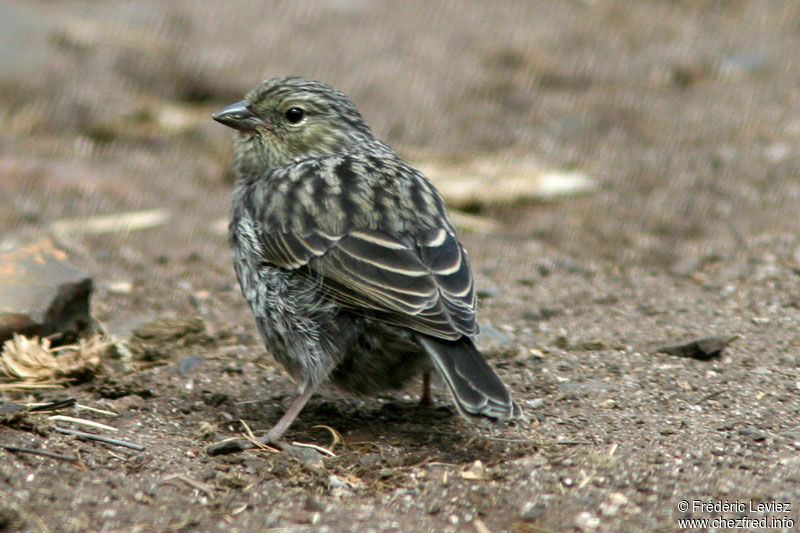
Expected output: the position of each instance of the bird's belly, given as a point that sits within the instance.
(291, 316)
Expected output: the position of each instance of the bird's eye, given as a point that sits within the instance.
(295, 115)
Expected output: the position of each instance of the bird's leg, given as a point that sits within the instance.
(288, 417)
(426, 398)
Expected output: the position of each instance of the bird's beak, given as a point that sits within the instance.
(239, 116)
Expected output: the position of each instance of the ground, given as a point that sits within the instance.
(686, 115)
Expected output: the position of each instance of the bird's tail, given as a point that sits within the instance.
(476, 389)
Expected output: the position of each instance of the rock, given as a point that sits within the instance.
(532, 510)
(491, 336)
(702, 349)
(229, 446)
(186, 365)
(617, 498)
(794, 435)
(336, 482)
(475, 471)
(41, 293)
(534, 403)
(587, 520)
(369, 460)
(754, 433)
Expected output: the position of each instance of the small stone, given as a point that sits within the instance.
(542, 314)
(587, 520)
(281, 468)
(534, 403)
(617, 498)
(609, 509)
(228, 446)
(41, 293)
(532, 510)
(187, 364)
(476, 470)
(491, 336)
(119, 287)
(233, 480)
(313, 505)
(310, 457)
(369, 460)
(754, 433)
(537, 353)
(335, 482)
(561, 341)
(608, 403)
(703, 349)
(727, 291)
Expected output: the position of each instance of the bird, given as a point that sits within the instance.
(347, 256)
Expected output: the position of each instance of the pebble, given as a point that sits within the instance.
(187, 364)
(369, 460)
(587, 520)
(753, 432)
(534, 403)
(41, 293)
(490, 335)
(532, 510)
(335, 482)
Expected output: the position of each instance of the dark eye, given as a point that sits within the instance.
(294, 115)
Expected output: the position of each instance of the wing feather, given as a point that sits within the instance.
(424, 284)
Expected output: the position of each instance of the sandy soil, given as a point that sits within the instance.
(686, 114)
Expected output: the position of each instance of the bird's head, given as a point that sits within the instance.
(284, 119)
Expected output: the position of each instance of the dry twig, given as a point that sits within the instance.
(43, 453)
(92, 436)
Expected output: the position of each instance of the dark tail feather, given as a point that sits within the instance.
(477, 390)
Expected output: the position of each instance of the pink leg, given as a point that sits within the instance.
(288, 417)
(426, 398)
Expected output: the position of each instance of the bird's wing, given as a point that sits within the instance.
(425, 285)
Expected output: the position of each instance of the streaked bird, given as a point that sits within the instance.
(347, 256)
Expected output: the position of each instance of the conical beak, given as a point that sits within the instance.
(239, 116)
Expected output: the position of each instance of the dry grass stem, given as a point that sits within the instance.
(34, 363)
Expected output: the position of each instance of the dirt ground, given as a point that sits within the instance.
(687, 115)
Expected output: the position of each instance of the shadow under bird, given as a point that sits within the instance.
(347, 256)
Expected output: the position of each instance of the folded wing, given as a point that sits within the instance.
(423, 283)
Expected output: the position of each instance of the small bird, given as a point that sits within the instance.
(347, 255)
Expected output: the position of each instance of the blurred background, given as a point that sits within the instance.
(678, 119)
(623, 172)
